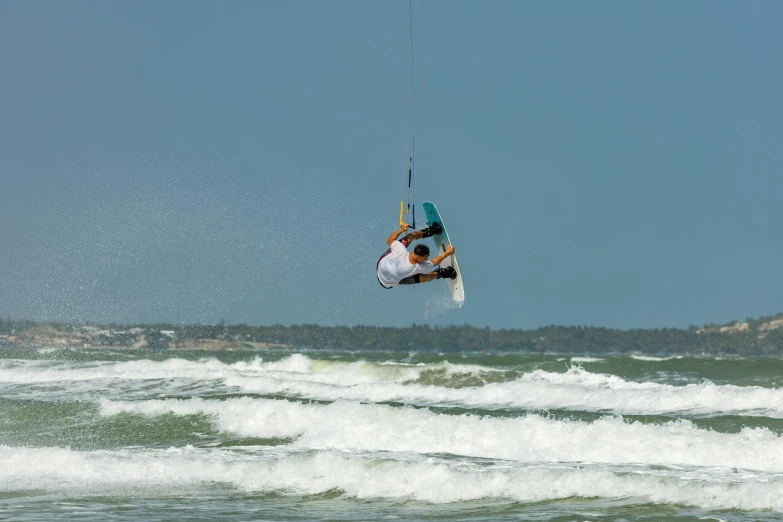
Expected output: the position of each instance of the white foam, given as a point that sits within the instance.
(296, 366)
(575, 389)
(46, 371)
(300, 376)
(531, 438)
(586, 359)
(652, 358)
(429, 480)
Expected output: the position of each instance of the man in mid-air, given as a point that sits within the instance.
(397, 266)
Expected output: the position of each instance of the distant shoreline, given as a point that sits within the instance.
(762, 336)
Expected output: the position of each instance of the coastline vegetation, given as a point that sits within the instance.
(754, 337)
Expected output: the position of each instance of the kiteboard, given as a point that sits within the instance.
(442, 242)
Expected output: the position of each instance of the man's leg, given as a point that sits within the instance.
(419, 278)
(432, 276)
(411, 237)
(441, 273)
(431, 230)
(446, 273)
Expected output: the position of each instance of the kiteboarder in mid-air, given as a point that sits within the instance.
(397, 266)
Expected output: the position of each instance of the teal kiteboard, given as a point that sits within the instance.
(442, 242)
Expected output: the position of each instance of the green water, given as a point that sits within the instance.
(132, 435)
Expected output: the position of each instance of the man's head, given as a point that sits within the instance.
(420, 254)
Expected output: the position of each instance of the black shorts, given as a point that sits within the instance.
(412, 280)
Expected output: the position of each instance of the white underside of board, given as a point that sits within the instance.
(442, 242)
(455, 285)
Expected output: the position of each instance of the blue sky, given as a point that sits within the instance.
(606, 163)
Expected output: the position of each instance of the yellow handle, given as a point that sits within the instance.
(402, 211)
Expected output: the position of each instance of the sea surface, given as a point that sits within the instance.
(176, 435)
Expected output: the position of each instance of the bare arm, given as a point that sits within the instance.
(438, 260)
(394, 235)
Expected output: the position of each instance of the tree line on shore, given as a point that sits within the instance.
(758, 337)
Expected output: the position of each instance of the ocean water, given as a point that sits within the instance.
(131, 435)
